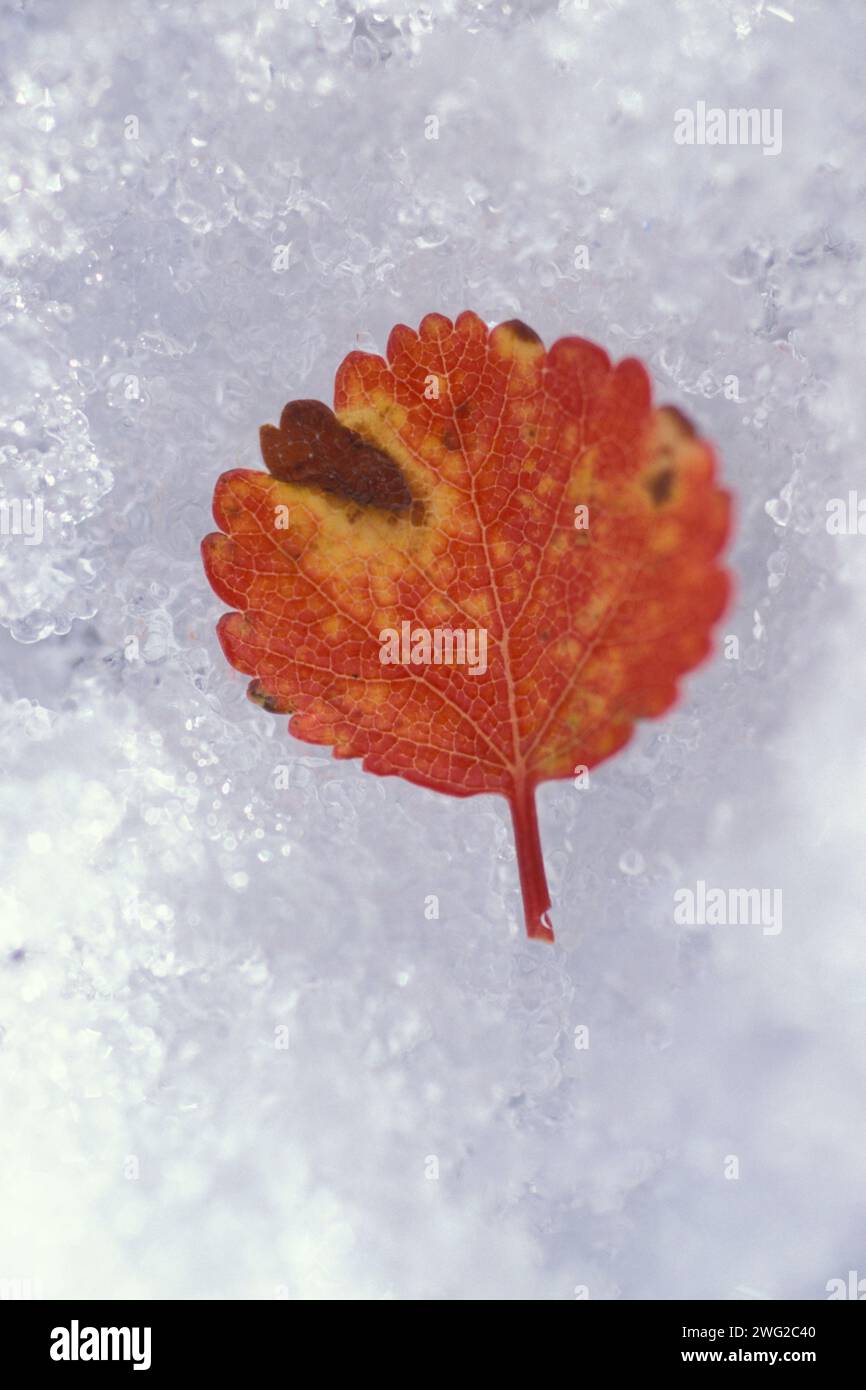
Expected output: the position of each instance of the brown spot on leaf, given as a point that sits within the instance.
(274, 704)
(522, 331)
(660, 486)
(311, 448)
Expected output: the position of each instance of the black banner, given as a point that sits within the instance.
(156, 1339)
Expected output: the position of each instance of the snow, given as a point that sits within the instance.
(239, 1058)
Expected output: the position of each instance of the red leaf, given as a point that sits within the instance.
(475, 484)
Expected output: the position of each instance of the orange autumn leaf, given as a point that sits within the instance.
(479, 570)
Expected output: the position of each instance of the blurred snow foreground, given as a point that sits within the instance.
(269, 1025)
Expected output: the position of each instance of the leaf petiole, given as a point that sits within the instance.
(530, 862)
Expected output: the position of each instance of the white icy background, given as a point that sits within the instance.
(165, 908)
